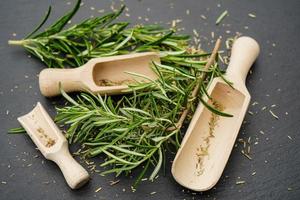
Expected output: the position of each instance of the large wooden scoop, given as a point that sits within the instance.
(105, 75)
(53, 145)
(208, 142)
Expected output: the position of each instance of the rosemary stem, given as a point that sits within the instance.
(17, 42)
(210, 61)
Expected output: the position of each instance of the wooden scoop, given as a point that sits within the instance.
(105, 75)
(209, 139)
(53, 145)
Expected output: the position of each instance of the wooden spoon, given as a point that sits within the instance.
(53, 145)
(209, 139)
(106, 75)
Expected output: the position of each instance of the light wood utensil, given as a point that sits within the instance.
(106, 75)
(53, 145)
(205, 149)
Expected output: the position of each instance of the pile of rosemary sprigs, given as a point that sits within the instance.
(135, 129)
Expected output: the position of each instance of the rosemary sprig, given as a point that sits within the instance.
(95, 37)
(210, 61)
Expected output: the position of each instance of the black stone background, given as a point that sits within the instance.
(275, 80)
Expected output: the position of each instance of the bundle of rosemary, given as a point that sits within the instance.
(138, 128)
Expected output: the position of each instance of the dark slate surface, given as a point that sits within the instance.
(275, 80)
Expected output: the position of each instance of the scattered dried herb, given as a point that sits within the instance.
(273, 114)
(98, 189)
(221, 17)
(107, 82)
(202, 151)
(252, 15)
(240, 182)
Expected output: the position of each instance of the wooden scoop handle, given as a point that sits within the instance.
(49, 80)
(74, 173)
(40, 127)
(243, 54)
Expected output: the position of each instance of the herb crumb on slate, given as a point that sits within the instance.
(240, 182)
(187, 12)
(203, 17)
(98, 189)
(221, 17)
(114, 182)
(252, 15)
(273, 114)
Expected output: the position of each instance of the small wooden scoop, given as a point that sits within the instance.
(105, 75)
(208, 142)
(53, 145)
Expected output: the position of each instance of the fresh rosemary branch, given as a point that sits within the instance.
(210, 61)
(138, 128)
(95, 37)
